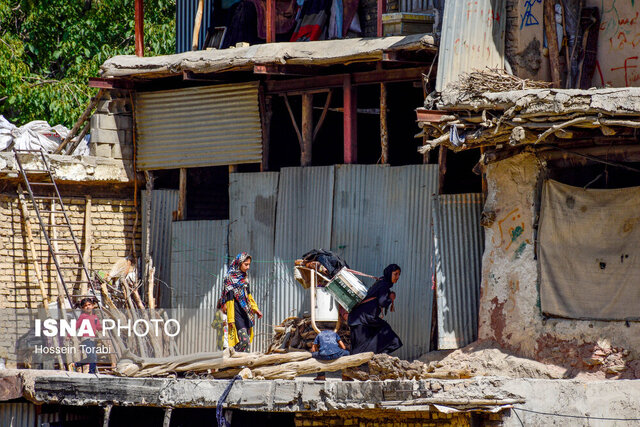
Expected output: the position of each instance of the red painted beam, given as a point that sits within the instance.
(139, 27)
(271, 21)
(381, 9)
(350, 105)
(110, 83)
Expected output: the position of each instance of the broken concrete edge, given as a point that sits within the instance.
(615, 101)
(480, 394)
(319, 53)
(70, 168)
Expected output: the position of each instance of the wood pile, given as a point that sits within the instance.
(493, 80)
(296, 333)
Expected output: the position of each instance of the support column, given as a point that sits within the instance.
(307, 129)
(384, 135)
(266, 112)
(182, 195)
(442, 167)
(139, 27)
(271, 21)
(350, 121)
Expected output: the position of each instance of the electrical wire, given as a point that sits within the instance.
(587, 417)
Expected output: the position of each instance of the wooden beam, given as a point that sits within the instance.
(552, 41)
(182, 196)
(350, 121)
(284, 70)
(384, 134)
(106, 416)
(325, 109)
(88, 229)
(271, 21)
(139, 27)
(196, 25)
(337, 80)
(83, 118)
(442, 168)
(307, 129)
(167, 417)
(110, 83)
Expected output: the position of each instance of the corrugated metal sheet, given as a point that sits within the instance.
(415, 5)
(382, 215)
(252, 209)
(200, 126)
(199, 254)
(17, 414)
(163, 203)
(459, 245)
(185, 16)
(303, 222)
(472, 38)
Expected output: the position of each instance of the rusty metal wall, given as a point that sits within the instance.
(198, 126)
(459, 244)
(473, 34)
(252, 213)
(17, 414)
(185, 18)
(199, 254)
(382, 215)
(163, 203)
(303, 222)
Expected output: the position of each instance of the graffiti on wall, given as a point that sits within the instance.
(512, 233)
(528, 18)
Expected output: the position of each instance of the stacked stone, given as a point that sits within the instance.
(112, 126)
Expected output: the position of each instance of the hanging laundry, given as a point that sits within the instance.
(313, 21)
(285, 16)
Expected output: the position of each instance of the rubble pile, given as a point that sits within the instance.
(296, 333)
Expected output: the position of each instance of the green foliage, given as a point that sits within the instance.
(50, 48)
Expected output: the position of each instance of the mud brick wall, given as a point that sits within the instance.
(112, 223)
(394, 419)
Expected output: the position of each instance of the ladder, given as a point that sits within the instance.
(59, 220)
(53, 195)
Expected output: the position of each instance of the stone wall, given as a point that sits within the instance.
(112, 223)
(510, 311)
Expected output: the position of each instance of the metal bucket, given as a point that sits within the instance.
(347, 289)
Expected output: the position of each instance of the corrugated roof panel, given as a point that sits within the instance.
(163, 203)
(459, 247)
(303, 222)
(197, 127)
(185, 18)
(472, 38)
(199, 255)
(252, 209)
(382, 215)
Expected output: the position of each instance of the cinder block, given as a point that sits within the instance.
(124, 152)
(122, 137)
(100, 150)
(111, 121)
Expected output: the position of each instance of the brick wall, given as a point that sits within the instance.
(112, 221)
(378, 418)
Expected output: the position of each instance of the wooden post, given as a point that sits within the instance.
(552, 41)
(266, 112)
(147, 231)
(85, 115)
(271, 21)
(139, 27)
(381, 9)
(442, 167)
(167, 417)
(307, 129)
(87, 244)
(384, 135)
(107, 415)
(196, 25)
(233, 168)
(350, 120)
(182, 196)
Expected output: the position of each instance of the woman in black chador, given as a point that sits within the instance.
(369, 332)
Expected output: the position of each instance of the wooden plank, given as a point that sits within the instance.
(337, 80)
(83, 118)
(87, 243)
(310, 366)
(106, 416)
(350, 121)
(196, 25)
(384, 134)
(139, 27)
(307, 129)
(552, 41)
(271, 21)
(182, 195)
(381, 7)
(284, 70)
(442, 168)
